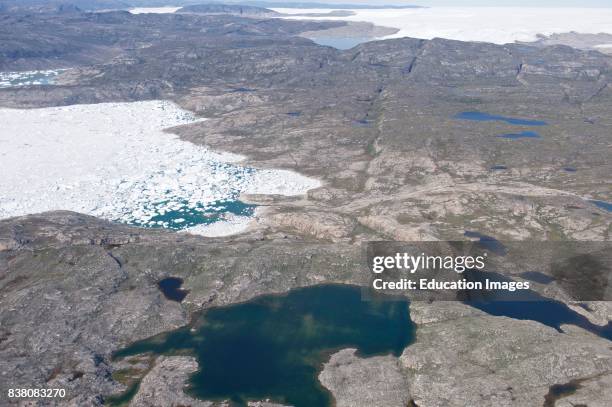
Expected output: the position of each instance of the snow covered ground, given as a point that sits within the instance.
(114, 161)
(499, 25)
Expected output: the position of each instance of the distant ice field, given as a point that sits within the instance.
(500, 25)
(153, 10)
(114, 161)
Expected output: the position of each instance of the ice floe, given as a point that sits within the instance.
(115, 161)
(230, 225)
(28, 78)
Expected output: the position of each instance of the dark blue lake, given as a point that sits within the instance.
(547, 312)
(171, 288)
(528, 305)
(487, 242)
(363, 123)
(537, 277)
(273, 346)
(486, 117)
(602, 204)
(522, 134)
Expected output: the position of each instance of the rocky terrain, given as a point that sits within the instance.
(59, 6)
(596, 42)
(351, 29)
(377, 125)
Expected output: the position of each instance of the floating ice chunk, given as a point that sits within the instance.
(114, 161)
(232, 225)
(280, 182)
(28, 78)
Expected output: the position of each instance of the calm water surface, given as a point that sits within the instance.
(171, 288)
(274, 346)
(522, 134)
(183, 215)
(603, 205)
(486, 117)
(528, 305)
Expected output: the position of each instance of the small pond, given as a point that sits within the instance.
(486, 117)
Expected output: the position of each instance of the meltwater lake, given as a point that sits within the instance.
(273, 346)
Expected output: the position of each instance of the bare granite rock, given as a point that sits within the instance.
(592, 391)
(163, 385)
(365, 382)
(470, 358)
(601, 42)
(378, 125)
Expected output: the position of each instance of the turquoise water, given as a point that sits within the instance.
(486, 117)
(273, 347)
(183, 215)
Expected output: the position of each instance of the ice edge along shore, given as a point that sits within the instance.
(115, 161)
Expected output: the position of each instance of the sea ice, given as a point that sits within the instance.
(500, 25)
(28, 78)
(231, 225)
(153, 10)
(114, 161)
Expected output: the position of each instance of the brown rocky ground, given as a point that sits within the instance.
(376, 125)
